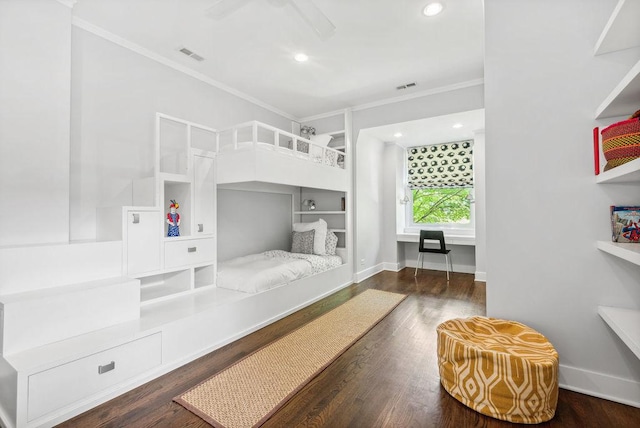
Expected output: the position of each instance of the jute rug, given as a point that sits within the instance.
(247, 393)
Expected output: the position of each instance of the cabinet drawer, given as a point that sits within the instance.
(189, 252)
(65, 384)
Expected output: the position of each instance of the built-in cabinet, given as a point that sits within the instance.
(621, 32)
(170, 266)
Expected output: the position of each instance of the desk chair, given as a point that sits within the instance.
(433, 235)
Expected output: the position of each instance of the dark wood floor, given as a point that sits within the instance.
(389, 378)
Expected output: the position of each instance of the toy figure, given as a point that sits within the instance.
(173, 219)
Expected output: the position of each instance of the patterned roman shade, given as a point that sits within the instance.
(441, 165)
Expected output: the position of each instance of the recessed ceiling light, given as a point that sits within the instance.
(301, 57)
(432, 9)
(398, 134)
(457, 125)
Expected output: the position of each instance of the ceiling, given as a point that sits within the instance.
(432, 130)
(377, 46)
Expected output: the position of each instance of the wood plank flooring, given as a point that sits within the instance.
(389, 378)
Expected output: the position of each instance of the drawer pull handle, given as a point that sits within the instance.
(107, 367)
(200, 227)
(192, 249)
(136, 218)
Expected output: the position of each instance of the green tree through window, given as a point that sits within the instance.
(442, 205)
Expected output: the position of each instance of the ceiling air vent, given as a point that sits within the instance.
(191, 54)
(406, 86)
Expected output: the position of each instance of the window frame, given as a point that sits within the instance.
(456, 228)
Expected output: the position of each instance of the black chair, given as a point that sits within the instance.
(433, 235)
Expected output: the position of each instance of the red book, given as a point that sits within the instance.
(596, 150)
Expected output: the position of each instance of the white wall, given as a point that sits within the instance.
(544, 210)
(35, 39)
(115, 94)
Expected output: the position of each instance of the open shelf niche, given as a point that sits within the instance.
(331, 207)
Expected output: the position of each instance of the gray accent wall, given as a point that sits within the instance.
(252, 222)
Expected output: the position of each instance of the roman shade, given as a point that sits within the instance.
(440, 165)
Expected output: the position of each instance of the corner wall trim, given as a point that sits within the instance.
(600, 385)
(101, 32)
(480, 276)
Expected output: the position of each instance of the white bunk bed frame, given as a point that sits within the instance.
(255, 151)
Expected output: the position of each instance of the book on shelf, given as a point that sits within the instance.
(625, 223)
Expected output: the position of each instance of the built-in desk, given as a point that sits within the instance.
(448, 238)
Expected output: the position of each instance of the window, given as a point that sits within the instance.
(440, 177)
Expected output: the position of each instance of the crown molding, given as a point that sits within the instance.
(427, 92)
(323, 115)
(102, 33)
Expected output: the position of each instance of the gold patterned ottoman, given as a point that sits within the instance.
(499, 368)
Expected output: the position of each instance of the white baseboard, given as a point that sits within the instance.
(481, 276)
(441, 266)
(600, 385)
(393, 267)
(367, 273)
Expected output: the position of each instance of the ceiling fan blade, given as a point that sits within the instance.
(314, 17)
(222, 8)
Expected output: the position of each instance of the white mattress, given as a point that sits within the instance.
(260, 272)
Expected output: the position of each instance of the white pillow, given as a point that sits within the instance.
(322, 139)
(319, 237)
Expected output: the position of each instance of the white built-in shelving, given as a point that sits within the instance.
(624, 98)
(329, 203)
(625, 323)
(626, 251)
(185, 172)
(621, 32)
(625, 173)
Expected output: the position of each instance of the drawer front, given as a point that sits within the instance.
(65, 384)
(189, 252)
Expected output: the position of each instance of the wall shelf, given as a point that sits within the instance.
(625, 323)
(622, 30)
(625, 173)
(625, 251)
(623, 100)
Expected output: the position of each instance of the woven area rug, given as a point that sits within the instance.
(247, 393)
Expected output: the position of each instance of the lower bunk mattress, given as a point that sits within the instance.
(263, 271)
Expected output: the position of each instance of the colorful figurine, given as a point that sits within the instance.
(173, 219)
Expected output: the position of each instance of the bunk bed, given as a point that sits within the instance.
(255, 151)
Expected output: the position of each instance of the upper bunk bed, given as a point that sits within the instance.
(255, 151)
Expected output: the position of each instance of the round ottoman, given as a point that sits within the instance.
(499, 368)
